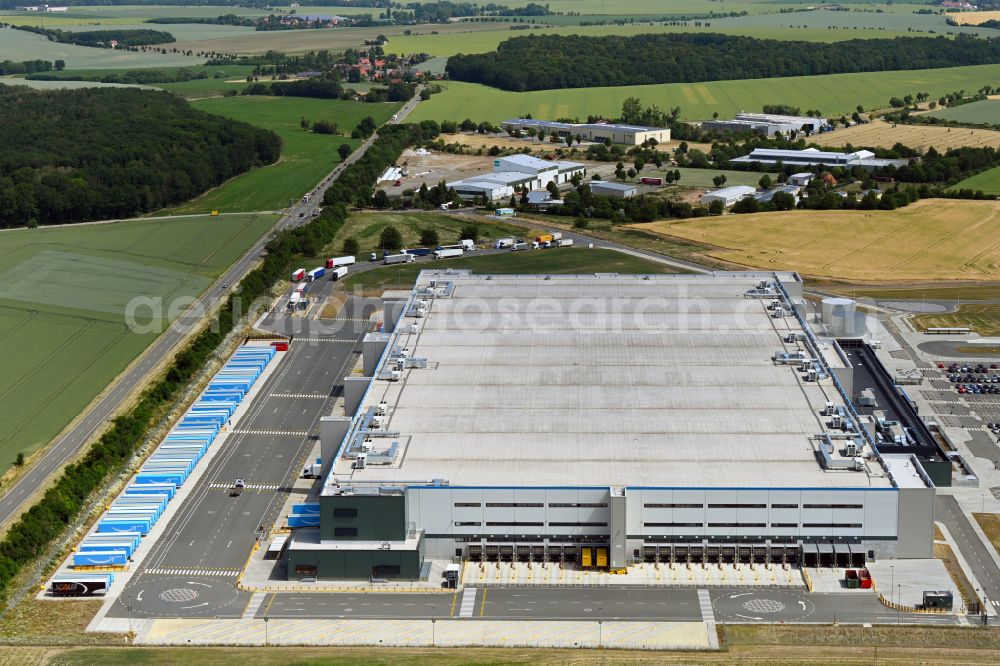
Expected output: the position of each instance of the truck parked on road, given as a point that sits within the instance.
(518, 246)
(298, 274)
(315, 274)
(340, 261)
(418, 251)
(468, 244)
(544, 238)
(397, 259)
(564, 242)
(504, 243)
(300, 288)
(447, 253)
(338, 273)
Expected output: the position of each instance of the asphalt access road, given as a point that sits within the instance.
(730, 605)
(80, 434)
(210, 537)
(984, 568)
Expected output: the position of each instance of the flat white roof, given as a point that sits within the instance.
(608, 185)
(594, 380)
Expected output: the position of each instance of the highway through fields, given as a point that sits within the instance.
(106, 406)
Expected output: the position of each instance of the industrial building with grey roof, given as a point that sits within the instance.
(693, 414)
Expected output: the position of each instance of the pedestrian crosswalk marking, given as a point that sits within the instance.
(286, 433)
(255, 603)
(193, 572)
(249, 486)
(468, 606)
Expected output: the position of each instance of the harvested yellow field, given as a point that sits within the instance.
(974, 18)
(933, 239)
(881, 134)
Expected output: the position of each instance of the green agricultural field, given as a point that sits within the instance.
(832, 94)
(986, 111)
(64, 299)
(18, 45)
(983, 318)
(367, 227)
(564, 260)
(987, 181)
(61, 85)
(305, 157)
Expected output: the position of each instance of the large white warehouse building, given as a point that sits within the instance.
(653, 417)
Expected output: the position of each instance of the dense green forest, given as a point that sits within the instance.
(544, 62)
(88, 154)
(102, 38)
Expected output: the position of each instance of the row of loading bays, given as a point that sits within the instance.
(809, 554)
(586, 556)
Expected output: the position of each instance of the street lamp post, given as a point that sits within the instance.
(265, 631)
(433, 637)
(899, 596)
(600, 633)
(892, 581)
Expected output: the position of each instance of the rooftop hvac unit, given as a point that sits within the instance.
(381, 408)
(378, 421)
(421, 312)
(778, 313)
(806, 365)
(774, 305)
(830, 409)
(836, 421)
(812, 375)
(763, 284)
(851, 450)
(359, 463)
(790, 337)
(414, 328)
(395, 375)
(404, 352)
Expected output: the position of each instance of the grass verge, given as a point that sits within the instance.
(552, 262)
(983, 318)
(990, 522)
(947, 556)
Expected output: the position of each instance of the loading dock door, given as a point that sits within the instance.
(506, 553)
(712, 554)
(538, 553)
(492, 553)
(760, 554)
(826, 555)
(522, 553)
(744, 554)
(555, 553)
(728, 554)
(680, 553)
(475, 553)
(810, 555)
(842, 555)
(697, 554)
(649, 554)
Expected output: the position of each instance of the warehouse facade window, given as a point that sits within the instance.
(833, 506)
(578, 524)
(673, 524)
(514, 505)
(475, 505)
(673, 506)
(578, 505)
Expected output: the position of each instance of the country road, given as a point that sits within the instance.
(70, 443)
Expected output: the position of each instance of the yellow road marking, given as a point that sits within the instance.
(482, 607)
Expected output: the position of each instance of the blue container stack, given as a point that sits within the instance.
(134, 513)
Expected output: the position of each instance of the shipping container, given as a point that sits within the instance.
(646, 180)
(97, 558)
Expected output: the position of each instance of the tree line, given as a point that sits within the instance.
(545, 62)
(26, 66)
(88, 154)
(102, 38)
(132, 76)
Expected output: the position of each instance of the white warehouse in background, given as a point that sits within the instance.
(516, 171)
(728, 195)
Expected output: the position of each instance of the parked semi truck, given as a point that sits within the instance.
(298, 274)
(336, 262)
(448, 253)
(468, 244)
(504, 243)
(315, 274)
(338, 273)
(397, 259)
(564, 242)
(418, 251)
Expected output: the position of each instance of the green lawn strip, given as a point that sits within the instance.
(555, 261)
